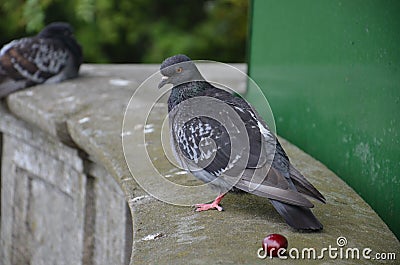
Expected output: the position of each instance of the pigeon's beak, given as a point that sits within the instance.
(164, 81)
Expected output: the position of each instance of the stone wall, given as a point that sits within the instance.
(67, 195)
(57, 206)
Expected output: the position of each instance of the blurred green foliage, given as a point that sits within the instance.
(134, 31)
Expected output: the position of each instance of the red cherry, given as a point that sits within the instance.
(273, 243)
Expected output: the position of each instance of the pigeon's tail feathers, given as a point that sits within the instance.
(303, 186)
(7, 84)
(7, 87)
(298, 217)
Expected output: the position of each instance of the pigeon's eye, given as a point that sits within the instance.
(179, 70)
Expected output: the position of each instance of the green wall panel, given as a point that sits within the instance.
(331, 73)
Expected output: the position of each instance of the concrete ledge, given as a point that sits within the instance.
(78, 124)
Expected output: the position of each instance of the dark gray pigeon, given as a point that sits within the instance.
(211, 146)
(49, 57)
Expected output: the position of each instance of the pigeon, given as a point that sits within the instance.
(209, 144)
(51, 56)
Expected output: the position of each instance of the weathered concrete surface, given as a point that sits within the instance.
(234, 236)
(43, 191)
(53, 202)
(87, 112)
(110, 224)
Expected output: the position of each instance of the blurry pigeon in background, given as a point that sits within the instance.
(195, 138)
(49, 57)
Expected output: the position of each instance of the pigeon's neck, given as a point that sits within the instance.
(71, 44)
(185, 91)
(75, 49)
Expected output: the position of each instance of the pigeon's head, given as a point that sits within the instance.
(57, 30)
(177, 70)
(63, 32)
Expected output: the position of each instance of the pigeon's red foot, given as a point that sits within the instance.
(209, 206)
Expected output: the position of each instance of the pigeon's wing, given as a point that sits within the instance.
(269, 172)
(34, 60)
(279, 181)
(284, 190)
(218, 143)
(304, 186)
(205, 147)
(201, 143)
(273, 182)
(247, 119)
(273, 186)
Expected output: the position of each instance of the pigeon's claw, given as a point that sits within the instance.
(208, 206)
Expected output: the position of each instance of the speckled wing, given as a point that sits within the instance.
(205, 144)
(29, 61)
(208, 147)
